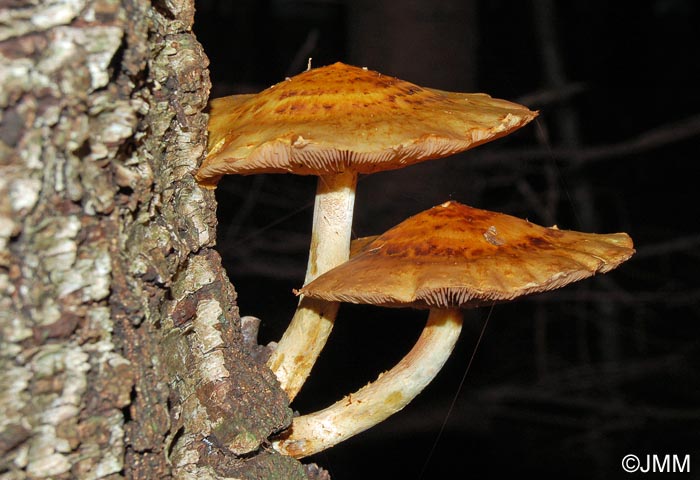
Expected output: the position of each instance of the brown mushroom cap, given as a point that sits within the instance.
(454, 256)
(325, 119)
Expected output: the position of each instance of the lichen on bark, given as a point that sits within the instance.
(120, 346)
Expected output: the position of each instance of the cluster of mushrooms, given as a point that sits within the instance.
(337, 122)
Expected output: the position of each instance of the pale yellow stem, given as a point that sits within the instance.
(375, 402)
(308, 331)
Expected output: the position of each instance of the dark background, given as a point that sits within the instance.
(563, 384)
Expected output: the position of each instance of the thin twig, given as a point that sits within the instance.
(660, 136)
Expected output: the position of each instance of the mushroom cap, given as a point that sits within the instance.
(455, 256)
(332, 118)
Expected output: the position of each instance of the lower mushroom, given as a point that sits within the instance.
(447, 258)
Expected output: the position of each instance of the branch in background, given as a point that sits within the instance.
(688, 242)
(666, 297)
(303, 54)
(545, 21)
(656, 137)
(551, 96)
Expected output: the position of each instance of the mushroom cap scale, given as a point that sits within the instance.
(333, 118)
(456, 256)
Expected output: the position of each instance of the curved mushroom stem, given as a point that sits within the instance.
(375, 402)
(308, 331)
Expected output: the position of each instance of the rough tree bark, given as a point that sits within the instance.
(121, 352)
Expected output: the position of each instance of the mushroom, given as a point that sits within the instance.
(444, 259)
(336, 122)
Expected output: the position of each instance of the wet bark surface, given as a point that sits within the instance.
(121, 352)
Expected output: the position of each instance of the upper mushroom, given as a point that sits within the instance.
(336, 122)
(340, 117)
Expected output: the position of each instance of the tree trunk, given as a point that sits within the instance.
(121, 352)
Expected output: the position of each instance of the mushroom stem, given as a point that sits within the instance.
(308, 331)
(375, 402)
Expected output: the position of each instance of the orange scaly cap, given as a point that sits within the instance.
(339, 117)
(454, 256)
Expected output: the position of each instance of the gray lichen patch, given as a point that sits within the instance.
(206, 327)
(59, 381)
(23, 194)
(198, 223)
(39, 16)
(55, 244)
(197, 274)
